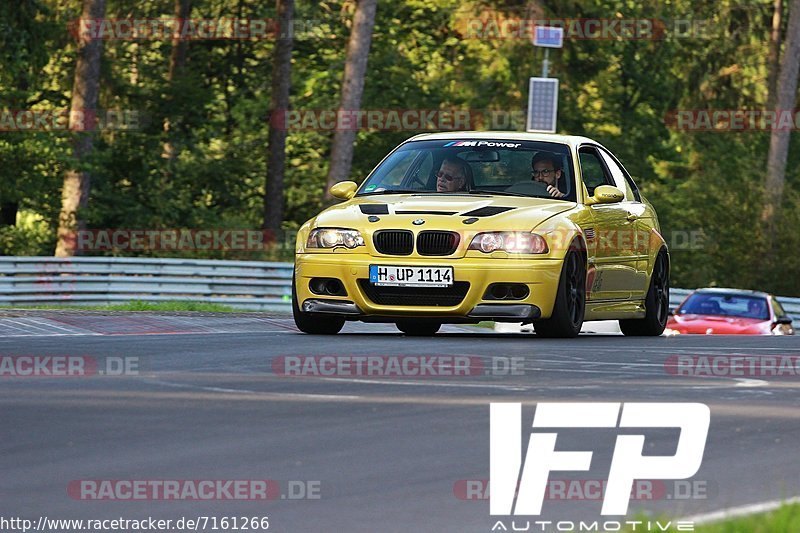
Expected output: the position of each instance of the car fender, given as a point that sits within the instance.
(562, 234)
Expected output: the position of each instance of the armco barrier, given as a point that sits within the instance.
(253, 285)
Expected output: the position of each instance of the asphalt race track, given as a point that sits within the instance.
(385, 453)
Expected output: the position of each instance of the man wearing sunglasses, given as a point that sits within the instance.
(547, 170)
(452, 175)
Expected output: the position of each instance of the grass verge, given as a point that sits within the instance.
(137, 305)
(785, 519)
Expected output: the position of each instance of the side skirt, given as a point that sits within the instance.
(614, 309)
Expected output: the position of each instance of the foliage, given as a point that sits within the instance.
(618, 91)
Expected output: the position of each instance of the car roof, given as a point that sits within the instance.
(738, 292)
(572, 140)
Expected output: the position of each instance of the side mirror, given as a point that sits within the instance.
(606, 194)
(344, 190)
(783, 320)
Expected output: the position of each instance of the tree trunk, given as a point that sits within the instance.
(85, 88)
(779, 138)
(279, 104)
(774, 57)
(352, 88)
(8, 213)
(177, 60)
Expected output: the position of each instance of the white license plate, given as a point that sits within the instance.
(407, 276)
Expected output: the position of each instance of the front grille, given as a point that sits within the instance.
(437, 242)
(394, 242)
(416, 296)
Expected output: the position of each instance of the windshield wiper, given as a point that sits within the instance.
(502, 193)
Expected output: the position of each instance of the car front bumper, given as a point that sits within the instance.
(541, 276)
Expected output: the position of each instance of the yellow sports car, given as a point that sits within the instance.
(472, 226)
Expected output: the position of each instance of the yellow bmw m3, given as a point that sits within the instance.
(472, 226)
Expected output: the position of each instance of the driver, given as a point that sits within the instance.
(547, 170)
(452, 175)
(755, 309)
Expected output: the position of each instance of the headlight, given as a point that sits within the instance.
(514, 242)
(333, 237)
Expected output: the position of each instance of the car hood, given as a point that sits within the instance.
(718, 325)
(439, 211)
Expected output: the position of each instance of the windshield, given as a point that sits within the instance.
(476, 166)
(726, 305)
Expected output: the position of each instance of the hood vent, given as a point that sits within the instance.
(374, 209)
(423, 212)
(488, 211)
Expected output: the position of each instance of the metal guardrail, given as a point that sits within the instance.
(252, 285)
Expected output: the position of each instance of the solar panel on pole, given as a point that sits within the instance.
(548, 36)
(542, 104)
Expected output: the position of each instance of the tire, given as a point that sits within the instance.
(314, 324)
(415, 328)
(656, 303)
(570, 304)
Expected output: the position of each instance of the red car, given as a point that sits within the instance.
(729, 312)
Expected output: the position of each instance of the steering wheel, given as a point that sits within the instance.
(530, 188)
(416, 179)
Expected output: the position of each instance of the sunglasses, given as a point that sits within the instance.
(447, 177)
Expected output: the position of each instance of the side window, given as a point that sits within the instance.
(592, 172)
(396, 174)
(777, 308)
(424, 170)
(621, 175)
(618, 176)
(414, 172)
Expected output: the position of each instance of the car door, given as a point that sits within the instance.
(639, 221)
(610, 236)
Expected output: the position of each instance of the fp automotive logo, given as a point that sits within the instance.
(627, 464)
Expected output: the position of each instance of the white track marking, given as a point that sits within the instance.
(747, 382)
(70, 330)
(742, 510)
(246, 391)
(196, 387)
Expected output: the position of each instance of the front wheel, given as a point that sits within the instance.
(414, 328)
(567, 317)
(656, 304)
(314, 324)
